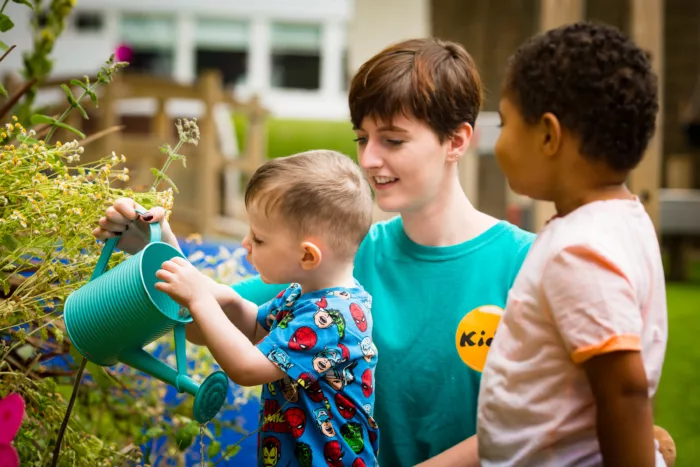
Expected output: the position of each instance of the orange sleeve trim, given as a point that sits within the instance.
(612, 344)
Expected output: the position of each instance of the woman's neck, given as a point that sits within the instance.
(449, 219)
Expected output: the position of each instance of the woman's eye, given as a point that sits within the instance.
(257, 241)
(360, 140)
(395, 142)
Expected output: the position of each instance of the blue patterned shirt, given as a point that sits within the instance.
(321, 412)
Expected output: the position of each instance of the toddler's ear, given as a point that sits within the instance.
(311, 256)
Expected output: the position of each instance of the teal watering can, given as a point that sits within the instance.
(112, 317)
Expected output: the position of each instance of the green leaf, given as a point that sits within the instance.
(23, 2)
(165, 149)
(4, 46)
(214, 449)
(184, 438)
(100, 375)
(27, 139)
(77, 82)
(5, 23)
(3, 92)
(73, 351)
(45, 119)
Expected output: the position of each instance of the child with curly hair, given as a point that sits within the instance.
(579, 351)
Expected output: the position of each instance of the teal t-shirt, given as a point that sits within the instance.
(435, 311)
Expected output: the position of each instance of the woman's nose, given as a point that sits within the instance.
(369, 157)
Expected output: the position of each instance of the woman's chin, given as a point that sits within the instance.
(390, 203)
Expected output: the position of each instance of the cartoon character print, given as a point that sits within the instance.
(344, 294)
(326, 359)
(303, 454)
(368, 409)
(271, 451)
(270, 319)
(292, 297)
(315, 392)
(296, 420)
(333, 454)
(284, 318)
(358, 315)
(368, 348)
(303, 338)
(323, 422)
(344, 352)
(306, 379)
(352, 434)
(359, 463)
(326, 317)
(280, 358)
(367, 382)
(273, 419)
(289, 390)
(346, 408)
(339, 378)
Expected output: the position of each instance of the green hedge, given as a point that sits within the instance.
(288, 136)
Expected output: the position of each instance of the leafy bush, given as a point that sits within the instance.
(50, 202)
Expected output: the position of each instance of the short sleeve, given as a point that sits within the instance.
(268, 312)
(592, 302)
(315, 337)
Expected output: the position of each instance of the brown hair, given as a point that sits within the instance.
(318, 192)
(432, 80)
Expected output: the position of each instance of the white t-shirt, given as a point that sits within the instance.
(592, 283)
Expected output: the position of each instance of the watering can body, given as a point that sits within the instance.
(117, 313)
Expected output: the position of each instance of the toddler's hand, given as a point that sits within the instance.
(183, 282)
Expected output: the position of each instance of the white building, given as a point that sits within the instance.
(291, 52)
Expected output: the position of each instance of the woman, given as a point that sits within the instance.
(439, 273)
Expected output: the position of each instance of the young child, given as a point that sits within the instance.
(578, 355)
(308, 214)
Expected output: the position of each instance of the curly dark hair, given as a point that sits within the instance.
(597, 82)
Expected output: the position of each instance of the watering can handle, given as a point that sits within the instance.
(112, 243)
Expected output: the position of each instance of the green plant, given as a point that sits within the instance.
(50, 201)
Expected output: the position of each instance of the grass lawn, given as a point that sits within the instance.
(678, 399)
(286, 137)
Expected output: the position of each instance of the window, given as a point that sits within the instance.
(296, 56)
(151, 40)
(223, 45)
(89, 21)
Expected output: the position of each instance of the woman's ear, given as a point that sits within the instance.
(459, 142)
(311, 256)
(551, 134)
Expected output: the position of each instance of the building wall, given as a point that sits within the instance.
(379, 23)
(78, 53)
(682, 74)
(491, 31)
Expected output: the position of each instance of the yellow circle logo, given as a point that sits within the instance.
(475, 334)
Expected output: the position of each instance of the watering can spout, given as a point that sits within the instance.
(144, 361)
(209, 397)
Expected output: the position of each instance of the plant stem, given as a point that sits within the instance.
(67, 111)
(3, 6)
(166, 165)
(64, 424)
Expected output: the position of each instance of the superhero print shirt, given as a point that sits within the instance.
(321, 412)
